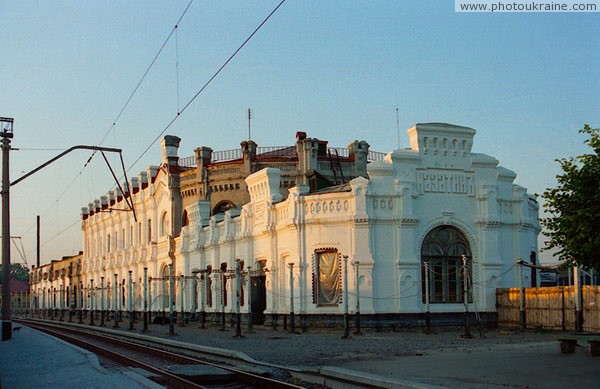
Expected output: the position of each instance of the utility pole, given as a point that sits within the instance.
(38, 251)
(6, 134)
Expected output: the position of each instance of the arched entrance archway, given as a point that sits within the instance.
(442, 254)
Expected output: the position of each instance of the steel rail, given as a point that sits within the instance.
(170, 378)
(243, 376)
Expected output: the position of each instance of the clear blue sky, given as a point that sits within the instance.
(337, 70)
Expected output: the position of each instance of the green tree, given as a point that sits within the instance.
(17, 271)
(574, 206)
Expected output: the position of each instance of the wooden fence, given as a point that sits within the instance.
(549, 308)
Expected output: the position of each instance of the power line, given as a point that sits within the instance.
(210, 80)
(114, 123)
(185, 107)
(173, 30)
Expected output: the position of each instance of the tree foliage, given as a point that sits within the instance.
(17, 271)
(574, 206)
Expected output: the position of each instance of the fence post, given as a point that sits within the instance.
(203, 279)
(130, 298)
(150, 300)
(171, 301)
(357, 330)
(182, 291)
(92, 302)
(346, 318)
(467, 334)
(249, 301)
(145, 303)
(522, 317)
(116, 301)
(427, 330)
(292, 318)
(578, 300)
(102, 302)
(238, 295)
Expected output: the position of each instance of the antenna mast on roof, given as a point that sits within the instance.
(249, 118)
(398, 126)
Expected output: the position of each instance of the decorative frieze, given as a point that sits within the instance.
(445, 181)
(324, 207)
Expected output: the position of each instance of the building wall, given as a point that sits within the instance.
(56, 285)
(379, 224)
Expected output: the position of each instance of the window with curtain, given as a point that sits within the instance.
(327, 285)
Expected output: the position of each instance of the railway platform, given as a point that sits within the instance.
(31, 359)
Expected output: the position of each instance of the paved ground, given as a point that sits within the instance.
(497, 359)
(530, 365)
(508, 359)
(31, 359)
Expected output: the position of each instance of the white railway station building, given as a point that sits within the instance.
(314, 230)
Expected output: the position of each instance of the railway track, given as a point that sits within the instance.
(171, 369)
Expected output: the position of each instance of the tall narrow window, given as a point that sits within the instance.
(442, 253)
(184, 219)
(327, 283)
(149, 231)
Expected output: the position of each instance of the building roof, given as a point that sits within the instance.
(333, 189)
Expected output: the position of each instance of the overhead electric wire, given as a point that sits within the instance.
(173, 30)
(131, 95)
(62, 231)
(185, 107)
(210, 80)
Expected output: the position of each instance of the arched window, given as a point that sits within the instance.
(164, 224)
(184, 219)
(442, 254)
(149, 231)
(223, 206)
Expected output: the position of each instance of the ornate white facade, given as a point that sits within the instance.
(429, 205)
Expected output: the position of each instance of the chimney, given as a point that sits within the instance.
(170, 145)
